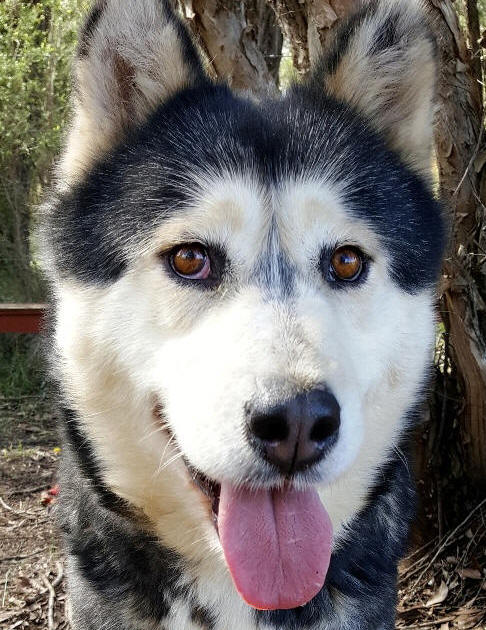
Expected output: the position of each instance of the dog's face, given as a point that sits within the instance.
(244, 290)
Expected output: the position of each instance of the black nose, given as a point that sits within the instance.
(297, 433)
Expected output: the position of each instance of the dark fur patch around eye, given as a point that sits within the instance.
(93, 228)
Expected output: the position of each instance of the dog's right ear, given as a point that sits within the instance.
(132, 56)
(384, 64)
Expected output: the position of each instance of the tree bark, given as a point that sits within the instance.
(292, 18)
(474, 37)
(309, 26)
(241, 40)
(461, 157)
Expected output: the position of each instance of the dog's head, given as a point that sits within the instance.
(244, 291)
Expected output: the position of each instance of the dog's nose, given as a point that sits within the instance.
(297, 433)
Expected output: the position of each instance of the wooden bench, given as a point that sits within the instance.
(21, 318)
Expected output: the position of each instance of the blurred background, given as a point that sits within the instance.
(259, 45)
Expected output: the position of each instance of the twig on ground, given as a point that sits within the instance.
(14, 511)
(52, 594)
(446, 542)
(23, 556)
(433, 622)
(5, 589)
(60, 574)
(29, 490)
(50, 605)
(419, 550)
(7, 507)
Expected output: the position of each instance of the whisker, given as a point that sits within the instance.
(170, 461)
(148, 435)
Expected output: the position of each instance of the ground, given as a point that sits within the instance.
(30, 560)
(442, 583)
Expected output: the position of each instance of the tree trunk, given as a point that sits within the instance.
(309, 25)
(474, 37)
(242, 41)
(460, 157)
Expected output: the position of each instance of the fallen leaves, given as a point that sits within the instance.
(443, 585)
(472, 574)
(439, 596)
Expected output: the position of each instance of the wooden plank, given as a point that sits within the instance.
(21, 318)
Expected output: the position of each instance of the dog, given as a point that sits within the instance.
(243, 325)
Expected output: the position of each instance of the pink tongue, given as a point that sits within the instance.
(277, 544)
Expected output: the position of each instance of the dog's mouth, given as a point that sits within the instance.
(211, 489)
(208, 487)
(276, 542)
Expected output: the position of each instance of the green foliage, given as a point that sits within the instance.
(37, 39)
(482, 12)
(22, 366)
(36, 43)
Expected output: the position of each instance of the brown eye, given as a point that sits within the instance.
(191, 261)
(347, 263)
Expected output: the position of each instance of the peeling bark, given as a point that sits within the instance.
(460, 156)
(241, 40)
(309, 26)
(292, 18)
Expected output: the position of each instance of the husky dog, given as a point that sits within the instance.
(243, 324)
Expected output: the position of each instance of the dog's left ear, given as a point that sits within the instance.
(133, 55)
(384, 64)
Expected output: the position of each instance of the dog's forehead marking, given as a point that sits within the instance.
(228, 210)
(290, 219)
(312, 213)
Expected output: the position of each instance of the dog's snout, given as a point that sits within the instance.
(297, 433)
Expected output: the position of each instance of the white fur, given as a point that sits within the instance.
(145, 339)
(205, 354)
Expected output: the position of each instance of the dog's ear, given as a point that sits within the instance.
(384, 64)
(132, 56)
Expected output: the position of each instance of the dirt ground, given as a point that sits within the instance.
(442, 584)
(31, 570)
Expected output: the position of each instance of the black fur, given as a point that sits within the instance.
(208, 129)
(274, 273)
(119, 564)
(386, 38)
(361, 581)
(86, 32)
(329, 62)
(83, 453)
